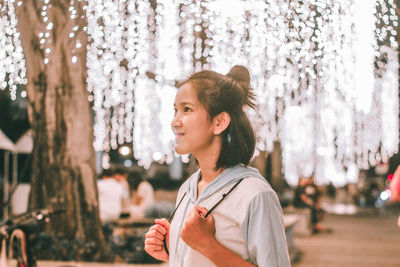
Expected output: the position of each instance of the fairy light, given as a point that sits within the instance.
(45, 37)
(107, 75)
(321, 69)
(12, 62)
(122, 52)
(186, 30)
(364, 53)
(320, 38)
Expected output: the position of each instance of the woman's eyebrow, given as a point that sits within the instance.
(184, 104)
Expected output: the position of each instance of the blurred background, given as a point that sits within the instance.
(86, 100)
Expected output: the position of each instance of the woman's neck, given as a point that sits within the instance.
(207, 160)
(208, 174)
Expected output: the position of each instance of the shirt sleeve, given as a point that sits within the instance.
(264, 232)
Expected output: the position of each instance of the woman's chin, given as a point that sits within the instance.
(180, 150)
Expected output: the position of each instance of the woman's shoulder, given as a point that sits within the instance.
(256, 184)
(252, 187)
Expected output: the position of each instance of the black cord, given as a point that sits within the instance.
(173, 213)
(223, 197)
(207, 214)
(170, 220)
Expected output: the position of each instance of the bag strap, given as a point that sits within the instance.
(177, 206)
(223, 197)
(207, 214)
(170, 220)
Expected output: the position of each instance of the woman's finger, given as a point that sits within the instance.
(159, 229)
(153, 248)
(153, 241)
(154, 234)
(163, 223)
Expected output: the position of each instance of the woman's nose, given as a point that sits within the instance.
(176, 122)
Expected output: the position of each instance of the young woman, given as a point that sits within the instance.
(226, 213)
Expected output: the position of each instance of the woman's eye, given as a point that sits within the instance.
(186, 109)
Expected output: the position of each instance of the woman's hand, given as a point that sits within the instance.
(154, 242)
(198, 232)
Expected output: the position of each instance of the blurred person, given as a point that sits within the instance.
(331, 193)
(395, 189)
(112, 196)
(142, 195)
(121, 175)
(308, 196)
(373, 191)
(226, 213)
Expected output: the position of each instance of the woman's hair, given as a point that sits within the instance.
(229, 93)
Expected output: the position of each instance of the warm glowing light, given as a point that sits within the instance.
(12, 62)
(325, 74)
(385, 195)
(157, 156)
(124, 150)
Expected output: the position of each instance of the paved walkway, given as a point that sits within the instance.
(366, 239)
(12, 263)
(72, 264)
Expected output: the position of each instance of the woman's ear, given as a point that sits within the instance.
(221, 122)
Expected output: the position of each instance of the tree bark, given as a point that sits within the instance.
(63, 166)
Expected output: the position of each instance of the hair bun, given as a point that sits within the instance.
(241, 75)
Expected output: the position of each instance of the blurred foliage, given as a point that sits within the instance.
(129, 247)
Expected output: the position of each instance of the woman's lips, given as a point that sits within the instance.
(178, 135)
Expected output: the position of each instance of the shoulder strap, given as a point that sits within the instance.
(223, 197)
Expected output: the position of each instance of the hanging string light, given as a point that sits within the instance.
(132, 68)
(112, 70)
(12, 62)
(325, 74)
(345, 110)
(316, 78)
(186, 24)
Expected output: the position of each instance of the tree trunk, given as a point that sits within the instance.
(63, 167)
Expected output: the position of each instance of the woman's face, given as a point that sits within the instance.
(191, 125)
